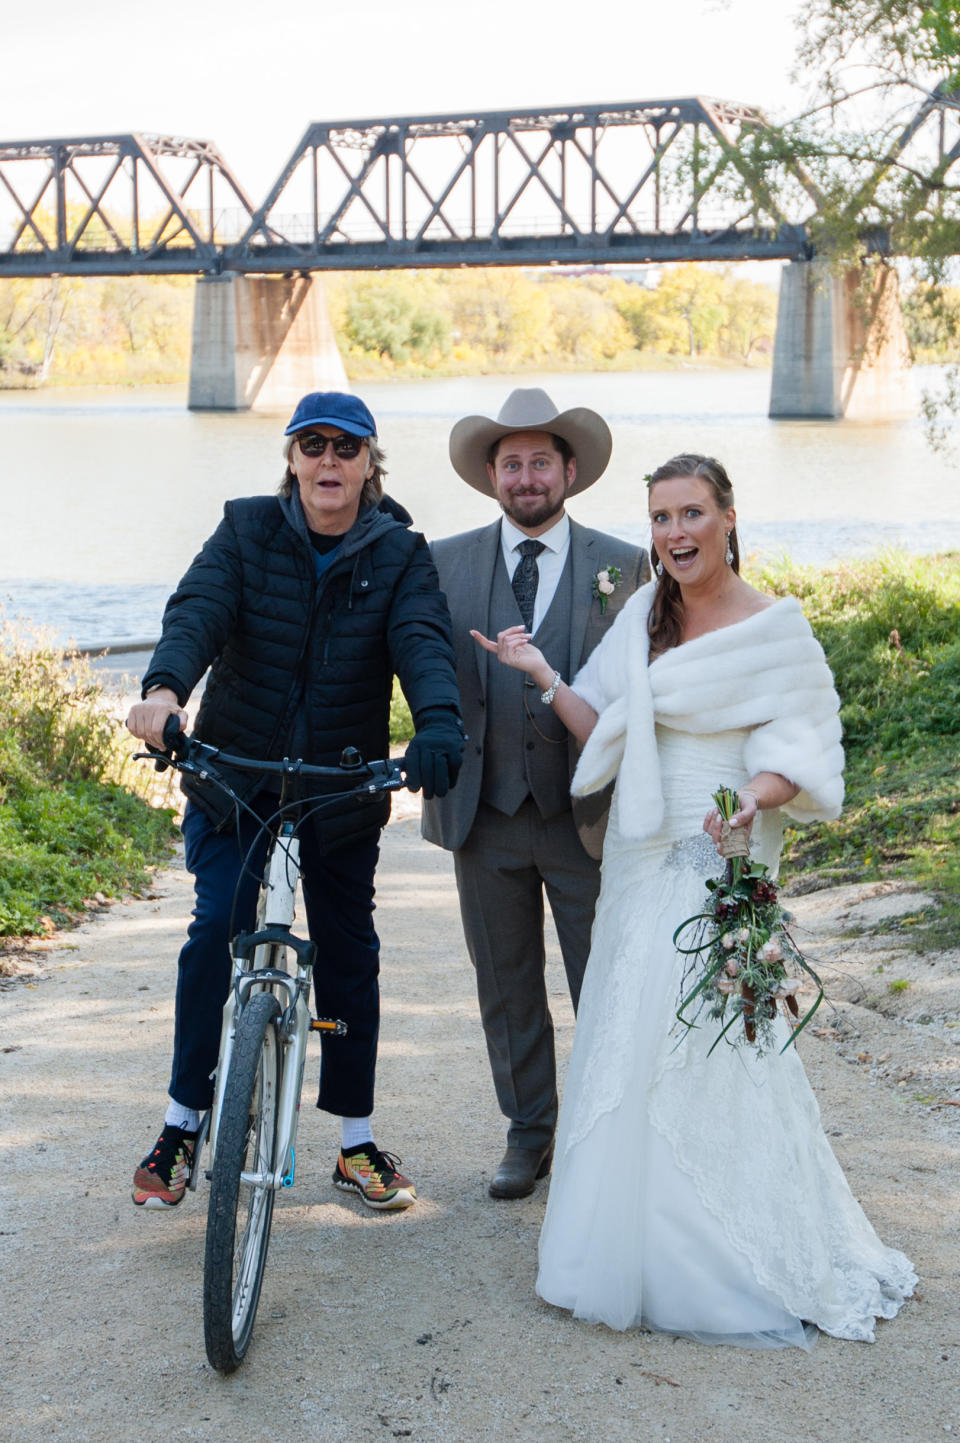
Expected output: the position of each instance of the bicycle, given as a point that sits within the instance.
(251, 1127)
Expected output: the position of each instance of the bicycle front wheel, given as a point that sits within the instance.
(240, 1210)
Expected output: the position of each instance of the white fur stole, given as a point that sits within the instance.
(767, 673)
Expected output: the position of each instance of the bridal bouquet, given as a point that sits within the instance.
(744, 965)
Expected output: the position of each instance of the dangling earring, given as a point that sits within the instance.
(728, 554)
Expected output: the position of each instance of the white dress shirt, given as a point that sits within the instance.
(550, 562)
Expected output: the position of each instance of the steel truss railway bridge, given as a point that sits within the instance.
(635, 183)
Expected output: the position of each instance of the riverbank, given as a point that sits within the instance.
(362, 369)
(425, 1325)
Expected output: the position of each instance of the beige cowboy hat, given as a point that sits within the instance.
(530, 409)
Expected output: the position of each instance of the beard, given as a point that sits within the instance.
(532, 510)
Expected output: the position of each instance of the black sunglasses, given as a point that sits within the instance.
(311, 443)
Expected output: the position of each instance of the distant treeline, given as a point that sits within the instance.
(477, 320)
(131, 329)
(136, 329)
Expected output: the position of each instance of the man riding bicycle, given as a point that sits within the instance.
(304, 606)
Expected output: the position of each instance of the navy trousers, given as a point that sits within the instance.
(338, 893)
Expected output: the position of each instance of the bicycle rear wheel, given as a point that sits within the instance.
(240, 1210)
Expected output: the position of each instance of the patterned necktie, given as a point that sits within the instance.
(526, 578)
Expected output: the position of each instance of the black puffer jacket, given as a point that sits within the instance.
(299, 660)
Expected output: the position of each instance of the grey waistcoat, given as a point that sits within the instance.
(526, 746)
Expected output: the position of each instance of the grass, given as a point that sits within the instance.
(74, 815)
(890, 627)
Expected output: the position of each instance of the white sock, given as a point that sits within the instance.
(354, 1131)
(179, 1116)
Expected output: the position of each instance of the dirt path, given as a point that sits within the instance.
(425, 1325)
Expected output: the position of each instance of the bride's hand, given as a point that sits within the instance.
(513, 648)
(744, 817)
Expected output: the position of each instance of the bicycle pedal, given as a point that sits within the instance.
(329, 1024)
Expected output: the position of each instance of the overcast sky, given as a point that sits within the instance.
(252, 76)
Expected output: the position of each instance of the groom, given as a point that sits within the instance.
(509, 822)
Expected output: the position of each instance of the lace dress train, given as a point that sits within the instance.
(695, 1195)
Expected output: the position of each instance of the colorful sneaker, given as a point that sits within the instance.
(161, 1179)
(373, 1174)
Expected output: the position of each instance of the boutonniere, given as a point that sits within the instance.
(605, 584)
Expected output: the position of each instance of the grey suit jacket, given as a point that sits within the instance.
(466, 565)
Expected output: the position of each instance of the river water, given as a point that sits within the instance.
(106, 495)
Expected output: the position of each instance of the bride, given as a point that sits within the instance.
(695, 1195)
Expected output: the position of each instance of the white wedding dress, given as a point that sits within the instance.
(695, 1195)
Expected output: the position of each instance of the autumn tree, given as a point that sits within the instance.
(586, 326)
(391, 316)
(691, 296)
(875, 155)
(750, 318)
(33, 317)
(639, 308)
(932, 318)
(503, 313)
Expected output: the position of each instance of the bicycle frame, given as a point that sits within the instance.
(256, 955)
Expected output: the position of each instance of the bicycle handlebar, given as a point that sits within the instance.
(188, 754)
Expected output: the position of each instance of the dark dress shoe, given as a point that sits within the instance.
(520, 1169)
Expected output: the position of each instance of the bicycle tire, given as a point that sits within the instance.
(239, 1214)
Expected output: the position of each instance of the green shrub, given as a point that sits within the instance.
(890, 628)
(74, 814)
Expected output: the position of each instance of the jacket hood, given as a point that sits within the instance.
(371, 522)
(394, 509)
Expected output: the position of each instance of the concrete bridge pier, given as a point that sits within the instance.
(837, 352)
(261, 341)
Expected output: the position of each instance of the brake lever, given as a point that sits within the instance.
(394, 778)
(161, 761)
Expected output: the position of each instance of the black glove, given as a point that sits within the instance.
(434, 756)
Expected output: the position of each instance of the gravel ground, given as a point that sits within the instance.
(425, 1325)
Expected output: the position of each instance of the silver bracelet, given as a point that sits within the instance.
(547, 696)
